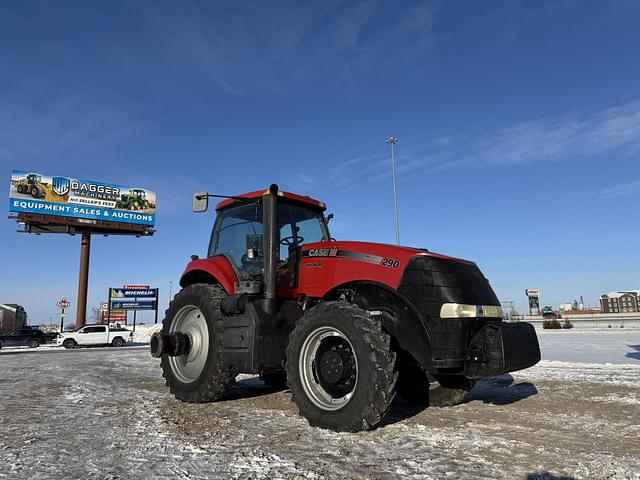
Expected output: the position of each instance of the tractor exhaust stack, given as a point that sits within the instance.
(270, 213)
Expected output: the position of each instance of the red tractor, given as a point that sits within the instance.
(344, 324)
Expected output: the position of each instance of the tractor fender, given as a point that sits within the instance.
(217, 269)
(402, 321)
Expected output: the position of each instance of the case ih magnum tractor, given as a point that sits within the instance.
(343, 324)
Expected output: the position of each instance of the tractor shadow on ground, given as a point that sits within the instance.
(401, 410)
(635, 355)
(250, 388)
(496, 391)
(500, 391)
(547, 476)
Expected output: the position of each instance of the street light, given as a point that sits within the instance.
(392, 141)
(170, 287)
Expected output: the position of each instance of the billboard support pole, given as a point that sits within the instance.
(109, 308)
(83, 279)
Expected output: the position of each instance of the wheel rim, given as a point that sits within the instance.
(192, 322)
(328, 368)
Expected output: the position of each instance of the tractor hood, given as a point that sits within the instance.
(325, 265)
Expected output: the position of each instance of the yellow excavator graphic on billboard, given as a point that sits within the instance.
(32, 184)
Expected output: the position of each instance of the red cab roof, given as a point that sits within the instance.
(312, 202)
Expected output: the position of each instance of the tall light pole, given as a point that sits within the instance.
(170, 290)
(392, 141)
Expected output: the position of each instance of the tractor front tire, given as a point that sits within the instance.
(419, 387)
(341, 367)
(197, 376)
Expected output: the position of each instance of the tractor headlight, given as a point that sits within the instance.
(463, 310)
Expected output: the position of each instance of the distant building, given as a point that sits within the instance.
(566, 307)
(12, 316)
(620, 302)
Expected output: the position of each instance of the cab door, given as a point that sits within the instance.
(298, 225)
(13, 339)
(94, 335)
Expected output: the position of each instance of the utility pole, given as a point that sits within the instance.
(392, 141)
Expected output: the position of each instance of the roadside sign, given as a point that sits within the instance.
(133, 304)
(63, 303)
(133, 292)
(532, 292)
(132, 298)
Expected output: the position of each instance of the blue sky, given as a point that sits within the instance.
(518, 126)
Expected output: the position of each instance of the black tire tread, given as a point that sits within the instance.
(219, 381)
(381, 356)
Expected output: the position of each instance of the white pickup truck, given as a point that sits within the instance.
(95, 335)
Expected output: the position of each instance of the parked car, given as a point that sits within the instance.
(49, 337)
(30, 337)
(95, 335)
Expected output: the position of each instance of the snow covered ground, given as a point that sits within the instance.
(105, 413)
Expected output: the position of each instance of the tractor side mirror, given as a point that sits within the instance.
(329, 218)
(200, 202)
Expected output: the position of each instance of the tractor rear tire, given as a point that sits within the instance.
(198, 376)
(341, 367)
(419, 387)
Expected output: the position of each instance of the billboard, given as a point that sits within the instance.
(78, 198)
(133, 297)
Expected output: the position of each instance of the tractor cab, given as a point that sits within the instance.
(138, 193)
(32, 178)
(238, 233)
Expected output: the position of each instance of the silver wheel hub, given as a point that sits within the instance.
(328, 368)
(191, 322)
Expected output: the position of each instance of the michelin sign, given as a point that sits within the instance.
(76, 198)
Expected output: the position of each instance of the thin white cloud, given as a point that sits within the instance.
(64, 128)
(568, 136)
(621, 190)
(573, 136)
(289, 44)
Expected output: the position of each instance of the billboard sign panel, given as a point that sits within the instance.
(124, 304)
(125, 292)
(78, 198)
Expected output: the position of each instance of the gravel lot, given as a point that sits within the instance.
(105, 413)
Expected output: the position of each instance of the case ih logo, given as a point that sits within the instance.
(60, 185)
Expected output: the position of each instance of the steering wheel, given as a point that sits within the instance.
(292, 240)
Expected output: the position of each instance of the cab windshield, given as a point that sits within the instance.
(238, 230)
